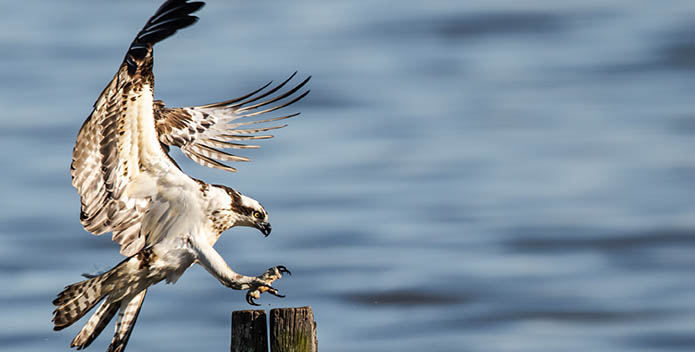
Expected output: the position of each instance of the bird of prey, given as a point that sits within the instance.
(163, 220)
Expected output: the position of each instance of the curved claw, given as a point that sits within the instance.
(283, 269)
(276, 294)
(273, 291)
(249, 300)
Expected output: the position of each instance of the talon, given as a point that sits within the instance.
(276, 294)
(283, 269)
(249, 300)
(266, 288)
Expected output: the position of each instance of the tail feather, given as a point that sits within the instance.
(122, 288)
(78, 289)
(79, 298)
(130, 309)
(95, 325)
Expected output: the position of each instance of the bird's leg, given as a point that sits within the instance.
(215, 265)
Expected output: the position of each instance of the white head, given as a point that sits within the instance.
(245, 211)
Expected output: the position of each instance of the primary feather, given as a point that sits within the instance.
(200, 131)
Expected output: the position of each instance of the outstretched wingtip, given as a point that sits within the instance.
(169, 18)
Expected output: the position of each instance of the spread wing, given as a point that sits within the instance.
(203, 131)
(117, 145)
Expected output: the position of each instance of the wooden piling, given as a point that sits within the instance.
(292, 330)
(249, 331)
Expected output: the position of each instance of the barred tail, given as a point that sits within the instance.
(130, 308)
(95, 325)
(122, 288)
(79, 298)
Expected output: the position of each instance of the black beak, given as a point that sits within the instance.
(264, 227)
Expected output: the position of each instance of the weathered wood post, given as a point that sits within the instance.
(293, 330)
(249, 331)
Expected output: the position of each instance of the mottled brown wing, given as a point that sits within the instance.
(118, 143)
(203, 131)
(105, 162)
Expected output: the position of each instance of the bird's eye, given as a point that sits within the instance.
(257, 214)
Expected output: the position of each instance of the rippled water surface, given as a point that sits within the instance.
(465, 175)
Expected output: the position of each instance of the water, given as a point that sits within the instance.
(465, 176)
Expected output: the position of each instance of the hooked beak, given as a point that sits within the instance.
(264, 227)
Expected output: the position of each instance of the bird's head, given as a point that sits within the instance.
(254, 215)
(247, 211)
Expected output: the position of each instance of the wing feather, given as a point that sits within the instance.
(201, 131)
(117, 145)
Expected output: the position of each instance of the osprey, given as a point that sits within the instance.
(164, 220)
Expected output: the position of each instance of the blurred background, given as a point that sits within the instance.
(465, 175)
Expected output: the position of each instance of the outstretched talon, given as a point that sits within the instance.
(274, 273)
(251, 295)
(264, 282)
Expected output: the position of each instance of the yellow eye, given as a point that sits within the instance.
(257, 214)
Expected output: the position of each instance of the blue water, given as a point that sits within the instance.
(465, 175)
